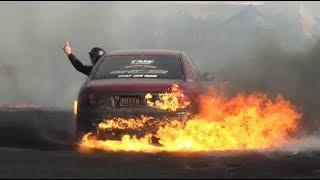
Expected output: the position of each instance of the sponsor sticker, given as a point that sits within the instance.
(125, 76)
(150, 76)
(140, 66)
(138, 76)
(142, 62)
(156, 71)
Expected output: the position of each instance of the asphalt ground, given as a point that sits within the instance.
(37, 143)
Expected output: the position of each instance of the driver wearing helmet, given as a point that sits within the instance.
(95, 54)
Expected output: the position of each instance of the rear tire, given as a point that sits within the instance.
(83, 127)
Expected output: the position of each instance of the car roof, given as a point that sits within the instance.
(145, 52)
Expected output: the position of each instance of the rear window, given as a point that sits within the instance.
(151, 67)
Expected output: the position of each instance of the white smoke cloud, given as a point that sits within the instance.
(32, 31)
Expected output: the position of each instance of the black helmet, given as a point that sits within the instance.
(96, 53)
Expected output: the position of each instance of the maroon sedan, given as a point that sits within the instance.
(119, 82)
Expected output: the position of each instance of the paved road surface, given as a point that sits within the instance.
(29, 149)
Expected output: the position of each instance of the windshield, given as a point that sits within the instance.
(151, 67)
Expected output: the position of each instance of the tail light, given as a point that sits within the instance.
(75, 107)
(184, 100)
(88, 99)
(83, 99)
(92, 99)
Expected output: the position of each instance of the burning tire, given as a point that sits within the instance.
(83, 127)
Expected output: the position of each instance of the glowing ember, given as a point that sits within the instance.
(244, 122)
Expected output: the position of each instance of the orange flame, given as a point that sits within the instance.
(244, 122)
(119, 123)
(166, 101)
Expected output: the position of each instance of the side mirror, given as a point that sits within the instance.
(208, 77)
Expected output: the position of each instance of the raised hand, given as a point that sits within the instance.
(66, 48)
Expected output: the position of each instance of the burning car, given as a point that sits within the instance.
(128, 84)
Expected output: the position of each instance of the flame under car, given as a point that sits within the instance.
(130, 84)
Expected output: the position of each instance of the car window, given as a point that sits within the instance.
(189, 70)
(151, 67)
(195, 69)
